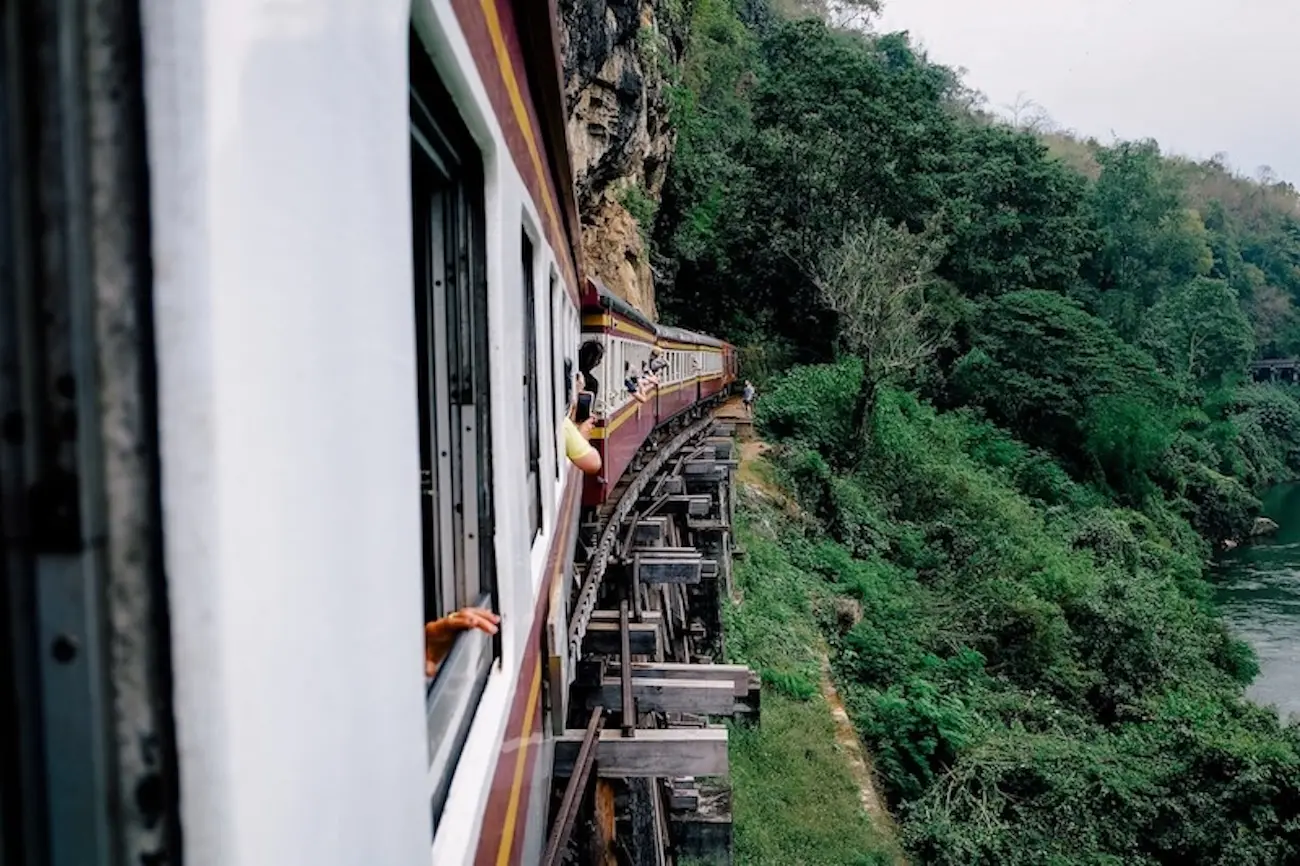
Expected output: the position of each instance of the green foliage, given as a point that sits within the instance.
(642, 208)
(793, 799)
(1065, 381)
(1200, 333)
(1035, 670)
(1036, 664)
(1016, 218)
(814, 405)
(1148, 239)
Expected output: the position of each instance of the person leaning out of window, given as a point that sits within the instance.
(577, 433)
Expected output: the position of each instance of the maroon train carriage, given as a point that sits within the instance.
(622, 423)
(699, 369)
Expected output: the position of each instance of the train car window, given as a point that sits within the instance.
(557, 352)
(450, 296)
(531, 412)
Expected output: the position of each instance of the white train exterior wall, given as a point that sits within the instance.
(280, 177)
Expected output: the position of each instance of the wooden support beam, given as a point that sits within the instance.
(705, 485)
(651, 532)
(604, 638)
(669, 485)
(655, 617)
(667, 552)
(708, 697)
(654, 569)
(722, 446)
(600, 846)
(707, 838)
(698, 505)
(684, 801)
(652, 752)
(706, 524)
(737, 675)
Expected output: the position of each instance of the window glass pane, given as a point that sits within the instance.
(532, 429)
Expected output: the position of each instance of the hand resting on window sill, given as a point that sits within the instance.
(439, 635)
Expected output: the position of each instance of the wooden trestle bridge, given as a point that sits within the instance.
(637, 761)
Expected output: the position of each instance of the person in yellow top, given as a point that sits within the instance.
(577, 448)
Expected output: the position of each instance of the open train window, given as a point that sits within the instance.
(532, 413)
(559, 343)
(447, 225)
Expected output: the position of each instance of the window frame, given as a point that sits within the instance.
(448, 188)
(556, 356)
(532, 399)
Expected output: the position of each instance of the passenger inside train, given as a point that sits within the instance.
(578, 423)
(637, 386)
(590, 354)
(657, 362)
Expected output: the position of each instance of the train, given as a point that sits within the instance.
(698, 369)
(287, 292)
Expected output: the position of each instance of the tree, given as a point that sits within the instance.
(1149, 240)
(876, 282)
(1040, 365)
(1016, 218)
(1199, 333)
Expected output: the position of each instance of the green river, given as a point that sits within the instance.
(1259, 592)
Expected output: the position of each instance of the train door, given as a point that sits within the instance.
(88, 772)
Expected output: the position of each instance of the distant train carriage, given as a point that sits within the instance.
(700, 363)
(698, 369)
(623, 423)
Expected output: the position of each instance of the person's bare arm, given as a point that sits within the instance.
(589, 462)
(441, 634)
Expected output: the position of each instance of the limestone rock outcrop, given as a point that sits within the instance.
(618, 58)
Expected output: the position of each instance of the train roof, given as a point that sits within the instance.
(615, 304)
(681, 335)
(612, 302)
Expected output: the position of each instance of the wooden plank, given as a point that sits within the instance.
(684, 801)
(701, 837)
(652, 752)
(603, 637)
(653, 570)
(651, 532)
(601, 845)
(666, 552)
(708, 697)
(698, 505)
(670, 485)
(737, 675)
(654, 617)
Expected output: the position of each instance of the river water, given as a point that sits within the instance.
(1259, 593)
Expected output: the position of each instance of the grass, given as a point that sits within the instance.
(794, 801)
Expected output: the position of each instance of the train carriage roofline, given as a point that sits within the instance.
(602, 310)
(689, 338)
(515, 48)
(538, 28)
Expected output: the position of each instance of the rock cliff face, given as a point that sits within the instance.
(617, 56)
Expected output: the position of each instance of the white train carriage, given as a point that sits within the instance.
(286, 289)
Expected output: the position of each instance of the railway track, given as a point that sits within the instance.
(637, 760)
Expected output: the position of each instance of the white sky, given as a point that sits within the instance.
(1198, 76)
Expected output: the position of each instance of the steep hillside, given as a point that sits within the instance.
(619, 56)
